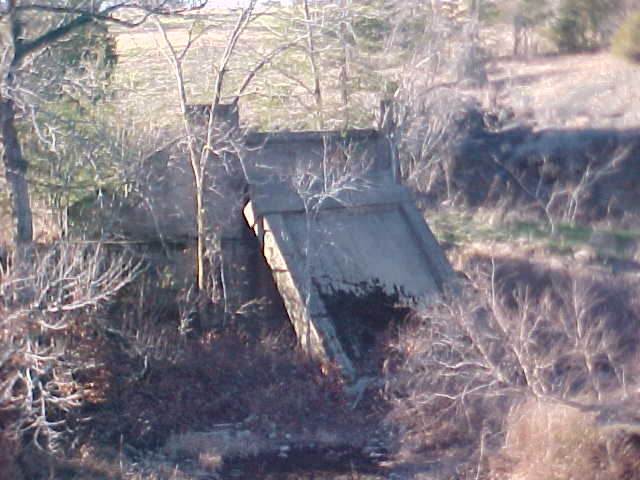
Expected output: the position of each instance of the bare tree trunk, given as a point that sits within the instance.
(201, 234)
(21, 39)
(216, 131)
(16, 174)
(344, 66)
(176, 60)
(317, 92)
(15, 166)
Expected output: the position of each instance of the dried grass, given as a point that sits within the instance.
(562, 336)
(555, 441)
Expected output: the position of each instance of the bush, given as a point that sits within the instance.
(555, 441)
(520, 331)
(582, 25)
(626, 41)
(45, 320)
(569, 35)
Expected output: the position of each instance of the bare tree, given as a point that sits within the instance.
(561, 337)
(37, 372)
(215, 141)
(330, 78)
(213, 154)
(525, 16)
(301, 73)
(313, 61)
(28, 28)
(427, 131)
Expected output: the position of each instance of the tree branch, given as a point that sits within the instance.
(265, 60)
(85, 16)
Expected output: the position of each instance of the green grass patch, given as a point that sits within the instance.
(460, 229)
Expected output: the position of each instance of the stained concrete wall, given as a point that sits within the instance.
(343, 240)
(330, 244)
(280, 156)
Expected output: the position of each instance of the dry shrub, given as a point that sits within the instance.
(43, 318)
(554, 441)
(520, 330)
(626, 40)
(100, 355)
(432, 121)
(215, 380)
(49, 331)
(160, 374)
(444, 388)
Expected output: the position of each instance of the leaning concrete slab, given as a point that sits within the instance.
(345, 245)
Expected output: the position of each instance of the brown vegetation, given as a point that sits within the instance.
(530, 372)
(555, 441)
(553, 346)
(104, 356)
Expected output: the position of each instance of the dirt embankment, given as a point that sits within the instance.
(597, 91)
(559, 136)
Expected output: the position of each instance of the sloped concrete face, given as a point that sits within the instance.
(343, 253)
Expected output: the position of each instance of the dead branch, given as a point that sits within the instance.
(40, 385)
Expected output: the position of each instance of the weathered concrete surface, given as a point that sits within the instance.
(343, 240)
(282, 156)
(338, 237)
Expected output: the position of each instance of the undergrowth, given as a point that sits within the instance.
(96, 355)
(561, 339)
(554, 441)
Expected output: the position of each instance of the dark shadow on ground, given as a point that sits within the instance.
(599, 167)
